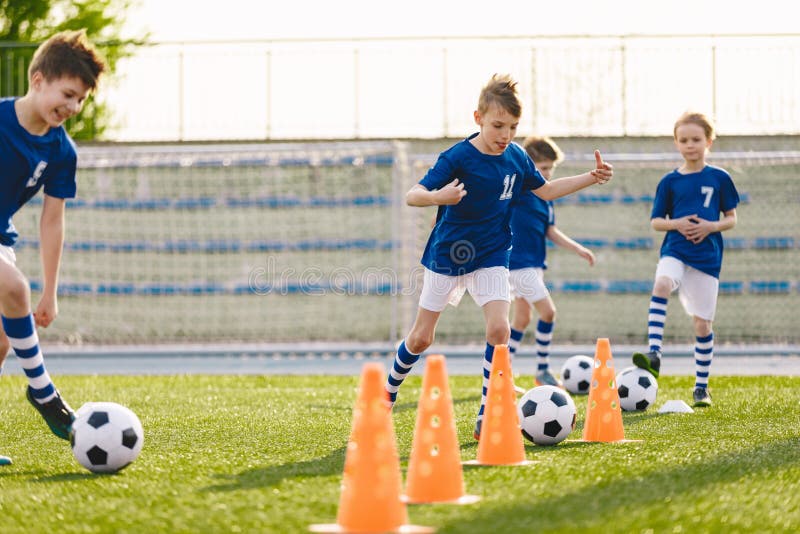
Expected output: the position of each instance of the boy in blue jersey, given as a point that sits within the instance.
(36, 153)
(473, 184)
(532, 222)
(687, 207)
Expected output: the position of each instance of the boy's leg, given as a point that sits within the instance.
(487, 370)
(514, 341)
(497, 332)
(41, 392)
(656, 319)
(703, 354)
(669, 276)
(5, 346)
(544, 336)
(418, 339)
(522, 318)
(698, 294)
(437, 292)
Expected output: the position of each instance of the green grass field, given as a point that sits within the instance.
(265, 454)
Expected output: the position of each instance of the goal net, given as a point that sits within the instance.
(313, 242)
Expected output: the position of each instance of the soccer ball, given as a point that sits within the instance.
(576, 374)
(106, 437)
(637, 389)
(546, 415)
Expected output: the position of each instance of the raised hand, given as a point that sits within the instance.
(451, 194)
(603, 171)
(697, 229)
(46, 311)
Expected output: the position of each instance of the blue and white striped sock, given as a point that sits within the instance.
(703, 354)
(544, 334)
(656, 318)
(403, 362)
(487, 371)
(22, 335)
(514, 341)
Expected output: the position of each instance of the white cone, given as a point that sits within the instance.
(675, 406)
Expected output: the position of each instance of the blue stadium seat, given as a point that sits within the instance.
(770, 287)
(630, 286)
(780, 243)
(731, 287)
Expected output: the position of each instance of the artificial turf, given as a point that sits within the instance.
(266, 453)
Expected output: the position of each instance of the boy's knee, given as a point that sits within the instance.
(15, 291)
(549, 316)
(498, 333)
(662, 286)
(702, 327)
(417, 342)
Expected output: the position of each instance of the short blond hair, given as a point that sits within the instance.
(543, 149)
(501, 89)
(68, 53)
(700, 119)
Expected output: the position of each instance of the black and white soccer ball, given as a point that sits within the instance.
(637, 389)
(546, 415)
(576, 374)
(106, 436)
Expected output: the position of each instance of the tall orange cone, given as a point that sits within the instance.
(434, 467)
(371, 484)
(501, 437)
(603, 411)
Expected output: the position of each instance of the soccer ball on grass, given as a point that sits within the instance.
(637, 389)
(546, 415)
(576, 374)
(106, 437)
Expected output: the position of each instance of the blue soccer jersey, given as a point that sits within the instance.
(706, 193)
(530, 221)
(29, 162)
(476, 232)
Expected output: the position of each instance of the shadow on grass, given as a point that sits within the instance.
(264, 477)
(71, 477)
(9, 472)
(590, 506)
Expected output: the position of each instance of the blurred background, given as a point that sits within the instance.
(243, 170)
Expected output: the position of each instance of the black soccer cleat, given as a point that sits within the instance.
(56, 413)
(702, 397)
(650, 362)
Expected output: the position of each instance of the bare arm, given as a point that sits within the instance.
(561, 239)
(421, 197)
(602, 173)
(693, 227)
(51, 235)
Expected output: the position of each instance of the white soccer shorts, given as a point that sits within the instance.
(484, 285)
(7, 253)
(528, 283)
(697, 290)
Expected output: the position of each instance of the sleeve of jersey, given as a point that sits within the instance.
(551, 212)
(533, 178)
(729, 197)
(62, 183)
(660, 201)
(440, 174)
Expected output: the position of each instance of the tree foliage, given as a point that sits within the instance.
(26, 23)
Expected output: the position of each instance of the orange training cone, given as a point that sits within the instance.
(501, 437)
(371, 484)
(603, 412)
(434, 467)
